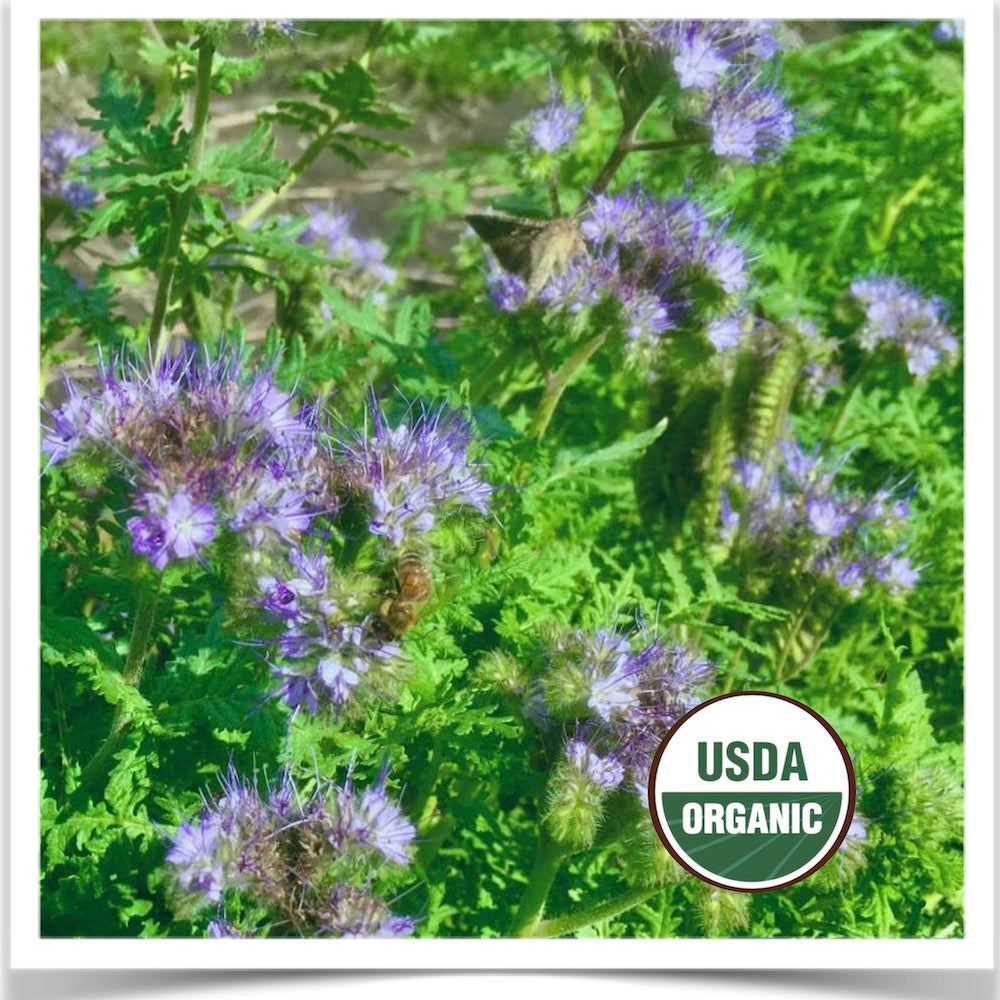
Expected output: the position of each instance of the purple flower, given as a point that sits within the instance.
(194, 854)
(749, 122)
(698, 63)
(726, 262)
(258, 30)
(605, 772)
(896, 313)
(365, 257)
(826, 518)
(553, 126)
(328, 663)
(187, 525)
(416, 473)
(60, 149)
(948, 31)
(646, 317)
(377, 822)
(725, 332)
(899, 573)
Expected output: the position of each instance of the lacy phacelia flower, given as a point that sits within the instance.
(307, 861)
(257, 31)
(749, 122)
(896, 313)
(415, 474)
(793, 511)
(365, 258)
(643, 253)
(552, 126)
(205, 446)
(623, 698)
(719, 66)
(60, 148)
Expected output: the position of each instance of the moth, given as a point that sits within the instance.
(535, 249)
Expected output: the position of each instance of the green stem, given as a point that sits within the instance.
(651, 145)
(488, 377)
(557, 383)
(182, 207)
(895, 208)
(845, 404)
(132, 672)
(548, 859)
(558, 926)
(622, 148)
(793, 632)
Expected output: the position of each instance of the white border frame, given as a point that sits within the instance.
(29, 950)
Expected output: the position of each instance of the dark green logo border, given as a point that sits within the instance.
(851, 791)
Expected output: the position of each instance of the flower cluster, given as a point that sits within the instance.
(307, 861)
(364, 259)
(204, 447)
(645, 254)
(622, 695)
(412, 474)
(257, 31)
(328, 648)
(60, 148)
(896, 313)
(719, 66)
(793, 511)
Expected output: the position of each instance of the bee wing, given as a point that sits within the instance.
(509, 238)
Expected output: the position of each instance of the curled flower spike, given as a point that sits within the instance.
(206, 447)
(416, 473)
(896, 313)
(307, 861)
(794, 511)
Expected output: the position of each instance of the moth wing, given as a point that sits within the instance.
(510, 239)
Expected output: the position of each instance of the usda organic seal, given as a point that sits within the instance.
(752, 791)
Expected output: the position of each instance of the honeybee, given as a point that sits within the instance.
(414, 582)
(535, 249)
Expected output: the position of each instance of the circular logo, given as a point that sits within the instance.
(752, 791)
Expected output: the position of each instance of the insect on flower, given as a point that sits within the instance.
(535, 249)
(413, 577)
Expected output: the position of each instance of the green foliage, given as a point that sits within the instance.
(605, 515)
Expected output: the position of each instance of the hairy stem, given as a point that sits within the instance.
(548, 859)
(182, 206)
(558, 926)
(132, 672)
(556, 384)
